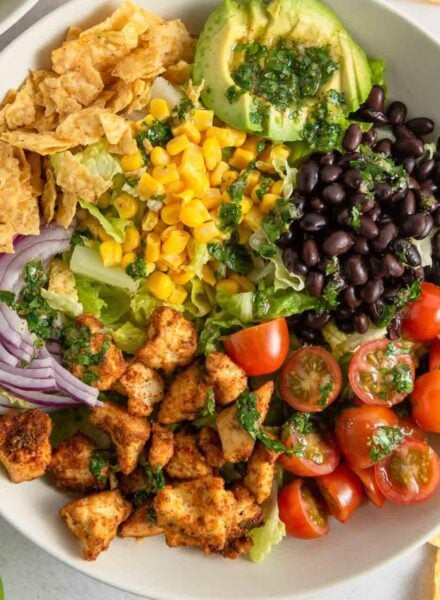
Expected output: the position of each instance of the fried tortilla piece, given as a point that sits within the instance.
(228, 379)
(144, 387)
(185, 398)
(129, 434)
(196, 513)
(210, 444)
(260, 472)
(187, 461)
(161, 446)
(25, 450)
(95, 519)
(139, 524)
(72, 462)
(172, 341)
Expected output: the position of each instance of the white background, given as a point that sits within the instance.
(28, 573)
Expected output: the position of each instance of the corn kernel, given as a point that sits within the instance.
(165, 173)
(103, 235)
(241, 158)
(160, 285)
(173, 262)
(237, 137)
(252, 180)
(170, 213)
(251, 143)
(203, 119)
(265, 167)
(175, 188)
(244, 233)
(191, 248)
(152, 247)
(105, 200)
(254, 218)
(228, 178)
(222, 134)
(159, 109)
(132, 162)
(111, 253)
(178, 296)
(160, 227)
(279, 151)
(148, 187)
(149, 120)
(127, 259)
(217, 175)
(162, 266)
(190, 130)
(245, 284)
(126, 205)
(194, 178)
(212, 153)
(187, 194)
(246, 205)
(277, 187)
(178, 145)
(206, 233)
(182, 277)
(159, 156)
(194, 213)
(176, 242)
(228, 285)
(132, 239)
(208, 275)
(212, 199)
(149, 220)
(268, 203)
(194, 156)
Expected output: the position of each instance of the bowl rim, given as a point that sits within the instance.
(16, 15)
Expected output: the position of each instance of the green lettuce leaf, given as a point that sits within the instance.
(341, 343)
(142, 305)
(106, 302)
(97, 160)
(114, 226)
(237, 306)
(129, 338)
(87, 262)
(198, 304)
(63, 303)
(287, 174)
(271, 304)
(201, 257)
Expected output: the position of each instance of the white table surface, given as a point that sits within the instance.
(28, 573)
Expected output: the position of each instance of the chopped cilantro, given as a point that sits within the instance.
(391, 350)
(384, 441)
(209, 409)
(78, 237)
(230, 212)
(325, 390)
(302, 422)
(279, 220)
(233, 93)
(324, 129)
(137, 269)
(184, 108)
(234, 256)
(8, 298)
(375, 168)
(151, 515)
(155, 480)
(408, 294)
(402, 379)
(98, 465)
(355, 218)
(264, 187)
(387, 312)
(159, 133)
(260, 148)
(77, 350)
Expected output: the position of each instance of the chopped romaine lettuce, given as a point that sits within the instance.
(63, 303)
(237, 306)
(201, 257)
(114, 226)
(142, 305)
(287, 174)
(198, 303)
(87, 262)
(341, 343)
(106, 302)
(129, 338)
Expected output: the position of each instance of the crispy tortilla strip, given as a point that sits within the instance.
(74, 177)
(178, 73)
(142, 63)
(119, 96)
(66, 209)
(6, 238)
(21, 111)
(49, 197)
(173, 41)
(41, 143)
(34, 160)
(141, 95)
(436, 578)
(73, 33)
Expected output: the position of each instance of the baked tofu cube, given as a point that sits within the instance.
(139, 524)
(196, 513)
(144, 387)
(187, 461)
(129, 434)
(185, 398)
(71, 465)
(25, 450)
(161, 446)
(248, 516)
(172, 341)
(210, 444)
(95, 519)
(260, 472)
(228, 379)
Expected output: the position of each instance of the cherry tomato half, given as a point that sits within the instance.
(261, 349)
(422, 322)
(370, 486)
(303, 513)
(410, 474)
(311, 379)
(425, 401)
(355, 428)
(410, 428)
(318, 455)
(434, 356)
(342, 490)
(381, 373)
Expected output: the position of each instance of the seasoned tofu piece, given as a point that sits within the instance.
(196, 513)
(139, 524)
(260, 472)
(133, 483)
(187, 461)
(172, 341)
(72, 462)
(143, 386)
(185, 398)
(237, 547)
(25, 450)
(248, 516)
(210, 444)
(111, 366)
(161, 446)
(129, 434)
(228, 379)
(237, 444)
(95, 519)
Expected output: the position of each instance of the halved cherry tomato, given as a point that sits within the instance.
(342, 490)
(410, 428)
(355, 428)
(410, 474)
(318, 453)
(422, 322)
(434, 356)
(425, 401)
(381, 373)
(311, 379)
(261, 349)
(302, 512)
(370, 486)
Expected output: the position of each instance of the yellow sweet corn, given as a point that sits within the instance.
(279, 151)
(246, 205)
(132, 239)
(245, 284)
(175, 188)
(251, 143)
(176, 242)
(92, 225)
(170, 213)
(254, 218)
(166, 174)
(187, 194)
(103, 235)
(194, 178)
(228, 178)
(162, 266)
(217, 175)
(149, 120)
(178, 296)
(159, 109)
(203, 119)
(208, 275)
(128, 259)
(150, 220)
(190, 130)
(206, 233)
(167, 231)
(252, 180)
(222, 134)
(237, 137)
(111, 253)
(159, 156)
(132, 162)
(173, 262)
(268, 203)
(152, 247)
(212, 153)
(126, 205)
(244, 233)
(149, 187)
(241, 158)
(194, 213)
(182, 277)
(228, 285)
(178, 145)
(212, 199)
(160, 285)
(105, 200)
(277, 187)
(194, 157)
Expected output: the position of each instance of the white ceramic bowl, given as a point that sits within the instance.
(12, 10)
(294, 568)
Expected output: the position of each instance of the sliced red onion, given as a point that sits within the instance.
(39, 399)
(7, 358)
(19, 353)
(16, 382)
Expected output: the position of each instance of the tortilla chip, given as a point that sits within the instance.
(119, 133)
(436, 582)
(49, 197)
(435, 541)
(142, 63)
(141, 95)
(34, 160)
(21, 111)
(41, 143)
(6, 238)
(73, 33)
(173, 41)
(74, 177)
(178, 73)
(129, 14)
(66, 209)
(121, 95)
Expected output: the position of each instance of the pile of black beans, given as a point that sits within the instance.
(376, 259)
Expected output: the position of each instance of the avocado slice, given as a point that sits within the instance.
(268, 67)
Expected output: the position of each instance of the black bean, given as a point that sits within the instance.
(375, 311)
(310, 253)
(406, 252)
(373, 116)
(401, 131)
(307, 176)
(409, 147)
(315, 283)
(330, 174)
(317, 204)
(395, 327)
(429, 224)
(408, 205)
(383, 191)
(298, 200)
(413, 184)
(337, 243)
(409, 165)
(345, 313)
(432, 273)
(375, 265)
(349, 296)
(345, 326)
(361, 322)
(383, 220)
(384, 147)
(368, 228)
(391, 292)
(352, 179)
(376, 98)
(426, 200)
(397, 196)
(308, 336)
(416, 226)
(327, 159)
(436, 216)
(424, 170)
(313, 222)
(362, 202)
(285, 240)
(436, 245)
(299, 267)
(397, 112)
(361, 245)
(313, 321)
(343, 216)
(421, 125)
(387, 233)
(370, 137)
(372, 290)
(436, 173)
(345, 160)
(375, 213)
(392, 267)
(356, 269)
(289, 257)
(353, 136)
(333, 193)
